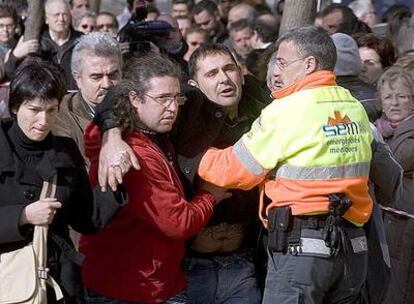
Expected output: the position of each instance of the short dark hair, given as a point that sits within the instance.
(312, 41)
(8, 11)
(393, 10)
(197, 29)
(180, 2)
(265, 32)
(106, 13)
(347, 13)
(383, 47)
(207, 50)
(205, 5)
(137, 74)
(36, 78)
(240, 25)
(354, 26)
(151, 8)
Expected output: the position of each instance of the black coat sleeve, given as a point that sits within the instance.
(385, 173)
(88, 208)
(103, 113)
(10, 230)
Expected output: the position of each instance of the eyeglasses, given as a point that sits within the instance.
(7, 26)
(281, 64)
(88, 26)
(166, 101)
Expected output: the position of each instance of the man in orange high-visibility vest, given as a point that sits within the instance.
(311, 149)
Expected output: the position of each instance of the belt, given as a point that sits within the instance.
(312, 243)
(311, 221)
(310, 246)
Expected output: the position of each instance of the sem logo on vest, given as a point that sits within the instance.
(340, 126)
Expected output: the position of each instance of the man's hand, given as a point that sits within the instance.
(218, 192)
(115, 160)
(24, 48)
(125, 48)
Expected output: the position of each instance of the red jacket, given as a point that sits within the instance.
(138, 255)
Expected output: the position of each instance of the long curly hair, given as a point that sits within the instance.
(137, 75)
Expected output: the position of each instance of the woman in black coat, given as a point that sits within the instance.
(29, 154)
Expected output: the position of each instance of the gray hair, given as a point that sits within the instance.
(49, 2)
(95, 44)
(270, 67)
(312, 41)
(78, 17)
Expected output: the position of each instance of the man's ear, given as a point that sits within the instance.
(77, 78)
(134, 99)
(217, 16)
(193, 83)
(311, 65)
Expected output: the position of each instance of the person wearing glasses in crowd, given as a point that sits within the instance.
(138, 258)
(85, 22)
(8, 25)
(295, 152)
(56, 42)
(219, 263)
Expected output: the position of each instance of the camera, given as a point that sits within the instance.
(139, 33)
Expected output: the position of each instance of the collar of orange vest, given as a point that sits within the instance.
(311, 81)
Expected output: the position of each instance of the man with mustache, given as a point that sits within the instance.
(96, 66)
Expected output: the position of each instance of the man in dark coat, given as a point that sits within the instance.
(56, 42)
(96, 66)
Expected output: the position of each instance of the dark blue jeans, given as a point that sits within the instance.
(222, 279)
(93, 298)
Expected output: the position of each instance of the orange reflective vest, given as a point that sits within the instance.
(313, 140)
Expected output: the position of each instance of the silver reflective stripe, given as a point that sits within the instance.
(359, 244)
(318, 246)
(315, 173)
(247, 159)
(314, 246)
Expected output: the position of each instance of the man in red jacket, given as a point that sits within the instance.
(138, 257)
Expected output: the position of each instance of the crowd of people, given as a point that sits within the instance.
(203, 157)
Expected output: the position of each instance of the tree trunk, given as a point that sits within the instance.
(95, 5)
(297, 13)
(35, 19)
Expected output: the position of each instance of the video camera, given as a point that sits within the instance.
(139, 33)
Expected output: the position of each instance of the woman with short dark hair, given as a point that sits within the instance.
(376, 55)
(29, 155)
